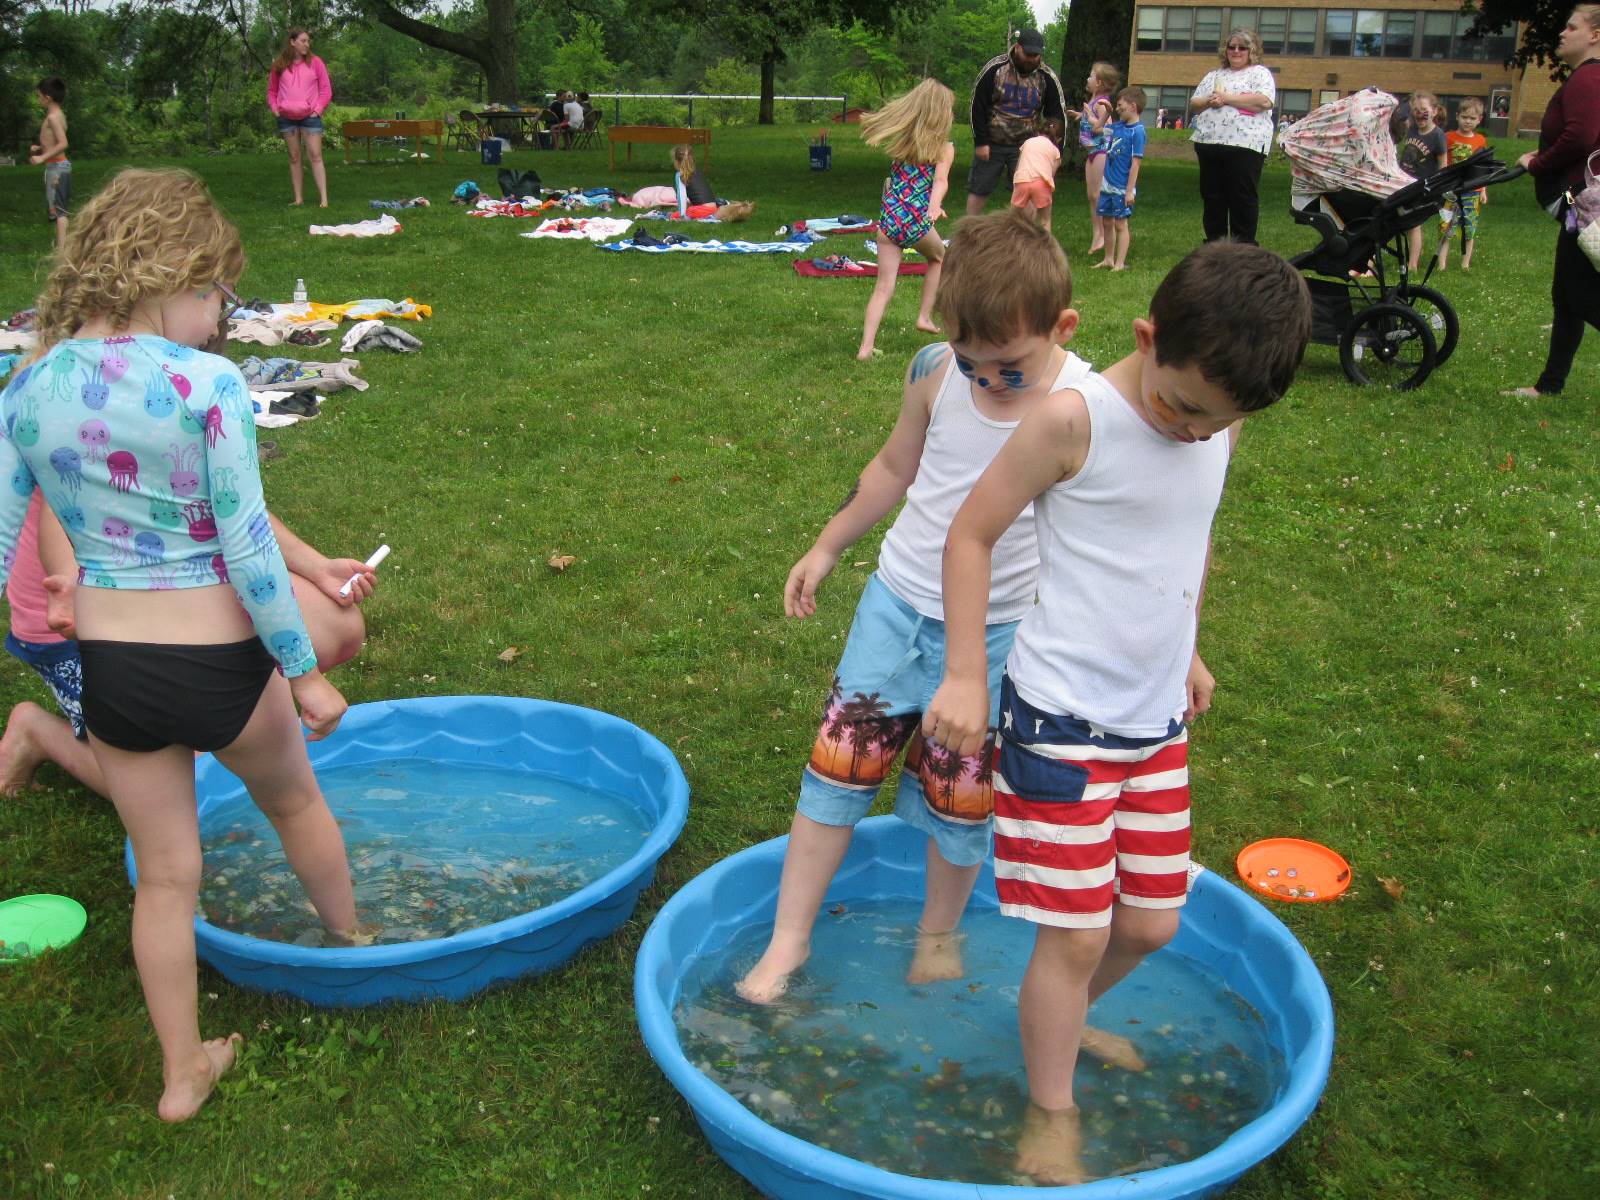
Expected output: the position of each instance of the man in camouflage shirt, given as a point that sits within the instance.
(1014, 96)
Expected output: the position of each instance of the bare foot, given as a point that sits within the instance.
(1096, 248)
(184, 1095)
(938, 956)
(20, 755)
(1111, 1048)
(768, 980)
(324, 204)
(1525, 393)
(296, 203)
(868, 353)
(1120, 267)
(1050, 1150)
(928, 326)
(1104, 262)
(362, 935)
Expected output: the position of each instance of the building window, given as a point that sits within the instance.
(1170, 105)
(1369, 33)
(1399, 34)
(1294, 104)
(1302, 32)
(1437, 29)
(1494, 47)
(1271, 25)
(1179, 30)
(1153, 20)
(1339, 33)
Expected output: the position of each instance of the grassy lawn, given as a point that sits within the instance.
(1400, 618)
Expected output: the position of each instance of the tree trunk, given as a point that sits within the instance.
(1099, 31)
(495, 53)
(769, 72)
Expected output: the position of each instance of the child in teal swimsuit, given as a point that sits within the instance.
(915, 131)
(189, 635)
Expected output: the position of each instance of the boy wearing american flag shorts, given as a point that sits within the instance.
(1125, 471)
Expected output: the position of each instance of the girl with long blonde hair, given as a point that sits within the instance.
(189, 635)
(914, 130)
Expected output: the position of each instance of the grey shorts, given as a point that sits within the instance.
(57, 190)
(984, 177)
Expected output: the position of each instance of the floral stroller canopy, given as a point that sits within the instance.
(1344, 145)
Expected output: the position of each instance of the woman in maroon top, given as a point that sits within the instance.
(1568, 135)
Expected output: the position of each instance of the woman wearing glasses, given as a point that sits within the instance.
(1231, 115)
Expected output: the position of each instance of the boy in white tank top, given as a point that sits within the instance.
(1124, 473)
(1006, 299)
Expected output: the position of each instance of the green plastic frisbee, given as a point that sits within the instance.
(32, 924)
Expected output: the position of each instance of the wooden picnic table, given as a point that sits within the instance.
(397, 128)
(525, 122)
(664, 135)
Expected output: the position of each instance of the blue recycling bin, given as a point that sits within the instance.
(821, 158)
(489, 149)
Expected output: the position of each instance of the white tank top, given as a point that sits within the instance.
(960, 444)
(1122, 555)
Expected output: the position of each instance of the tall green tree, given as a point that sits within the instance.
(1545, 20)
(1101, 32)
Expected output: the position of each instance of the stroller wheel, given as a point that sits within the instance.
(1438, 312)
(1389, 344)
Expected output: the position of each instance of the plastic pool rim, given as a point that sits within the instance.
(1205, 1175)
(217, 945)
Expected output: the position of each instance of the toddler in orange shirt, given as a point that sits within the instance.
(1033, 184)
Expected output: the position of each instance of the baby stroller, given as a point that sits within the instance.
(1348, 186)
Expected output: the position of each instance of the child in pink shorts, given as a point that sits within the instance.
(1033, 183)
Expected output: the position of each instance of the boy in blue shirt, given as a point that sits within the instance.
(1125, 149)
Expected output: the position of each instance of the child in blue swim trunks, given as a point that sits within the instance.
(915, 131)
(189, 634)
(1125, 140)
(962, 399)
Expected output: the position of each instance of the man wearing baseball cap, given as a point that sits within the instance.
(1016, 93)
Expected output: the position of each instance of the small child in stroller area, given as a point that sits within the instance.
(1422, 152)
(1462, 143)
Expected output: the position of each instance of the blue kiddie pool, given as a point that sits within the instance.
(545, 817)
(829, 1094)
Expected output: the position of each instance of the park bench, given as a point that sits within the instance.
(400, 129)
(663, 135)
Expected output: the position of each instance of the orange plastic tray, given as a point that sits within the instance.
(1293, 870)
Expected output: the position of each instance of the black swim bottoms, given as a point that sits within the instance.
(145, 696)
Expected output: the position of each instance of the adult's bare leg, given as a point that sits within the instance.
(319, 172)
(291, 138)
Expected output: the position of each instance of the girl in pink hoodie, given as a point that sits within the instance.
(297, 92)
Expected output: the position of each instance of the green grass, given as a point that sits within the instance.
(1400, 619)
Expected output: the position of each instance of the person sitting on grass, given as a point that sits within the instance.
(43, 636)
(189, 635)
(1007, 303)
(694, 197)
(1123, 472)
(914, 130)
(1125, 139)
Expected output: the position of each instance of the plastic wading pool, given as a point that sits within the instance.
(1224, 930)
(575, 745)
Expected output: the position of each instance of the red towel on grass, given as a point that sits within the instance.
(804, 266)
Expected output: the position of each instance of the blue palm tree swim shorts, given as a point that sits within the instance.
(892, 664)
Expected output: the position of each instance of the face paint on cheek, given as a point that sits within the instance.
(982, 382)
(964, 367)
(1013, 380)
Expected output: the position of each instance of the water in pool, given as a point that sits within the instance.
(435, 848)
(928, 1080)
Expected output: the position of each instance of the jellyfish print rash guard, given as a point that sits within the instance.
(146, 450)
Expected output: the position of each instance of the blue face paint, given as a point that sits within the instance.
(964, 367)
(1013, 380)
(982, 382)
(926, 361)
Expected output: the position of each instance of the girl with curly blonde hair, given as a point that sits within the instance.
(914, 130)
(189, 635)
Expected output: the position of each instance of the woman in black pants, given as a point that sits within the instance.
(1231, 115)
(1568, 135)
